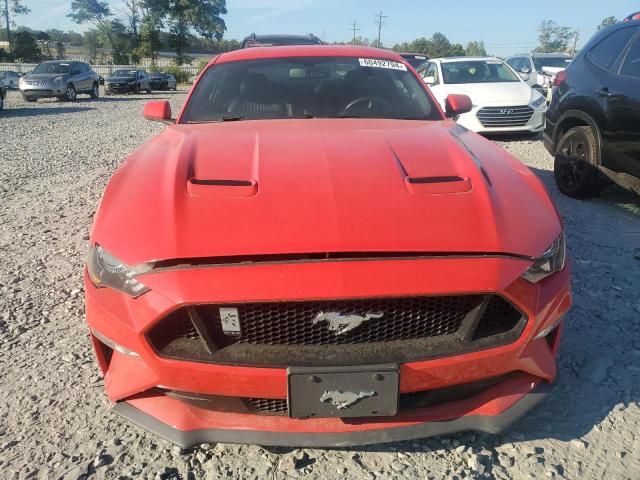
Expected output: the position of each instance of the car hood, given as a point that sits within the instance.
(316, 186)
(44, 76)
(497, 94)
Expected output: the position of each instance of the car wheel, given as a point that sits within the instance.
(95, 91)
(70, 95)
(136, 89)
(148, 90)
(576, 165)
(1, 103)
(29, 99)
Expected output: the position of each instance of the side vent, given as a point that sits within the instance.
(221, 188)
(435, 185)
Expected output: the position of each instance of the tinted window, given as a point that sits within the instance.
(607, 52)
(552, 62)
(519, 63)
(52, 68)
(309, 87)
(631, 65)
(124, 73)
(477, 71)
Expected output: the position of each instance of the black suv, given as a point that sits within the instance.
(254, 40)
(593, 122)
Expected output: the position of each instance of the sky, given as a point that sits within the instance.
(506, 26)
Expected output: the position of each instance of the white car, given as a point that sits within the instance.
(10, 79)
(502, 101)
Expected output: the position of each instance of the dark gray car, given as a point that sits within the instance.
(59, 79)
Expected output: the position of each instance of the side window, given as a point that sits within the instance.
(608, 50)
(432, 71)
(631, 65)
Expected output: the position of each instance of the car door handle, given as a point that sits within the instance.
(605, 92)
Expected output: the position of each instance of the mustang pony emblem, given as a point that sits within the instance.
(340, 324)
(343, 400)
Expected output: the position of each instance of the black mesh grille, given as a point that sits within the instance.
(284, 333)
(291, 323)
(269, 405)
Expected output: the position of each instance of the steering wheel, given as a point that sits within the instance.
(371, 101)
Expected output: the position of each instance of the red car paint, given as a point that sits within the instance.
(314, 186)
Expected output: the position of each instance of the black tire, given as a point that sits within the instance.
(29, 99)
(71, 94)
(136, 89)
(95, 91)
(148, 90)
(576, 164)
(1, 102)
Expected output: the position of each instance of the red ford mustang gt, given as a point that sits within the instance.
(313, 254)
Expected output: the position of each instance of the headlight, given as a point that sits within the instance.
(105, 270)
(540, 101)
(551, 261)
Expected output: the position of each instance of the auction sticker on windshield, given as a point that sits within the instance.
(373, 62)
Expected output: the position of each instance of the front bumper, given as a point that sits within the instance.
(136, 377)
(48, 90)
(119, 88)
(227, 429)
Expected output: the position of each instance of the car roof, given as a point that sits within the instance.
(307, 51)
(462, 59)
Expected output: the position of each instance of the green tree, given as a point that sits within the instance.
(60, 51)
(475, 49)
(95, 12)
(553, 37)
(91, 42)
(25, 47)
(435, 47)
(607, 21)
(185, 17)
(9, 9)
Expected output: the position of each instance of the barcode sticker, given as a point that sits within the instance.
(374, 62)
(230, 321)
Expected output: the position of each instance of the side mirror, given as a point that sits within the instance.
(159, 111)
(456, 104)
(429, 80)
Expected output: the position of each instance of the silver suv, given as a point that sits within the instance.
(539, 70)
(59, 79)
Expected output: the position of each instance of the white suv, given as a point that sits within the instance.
(539, 70)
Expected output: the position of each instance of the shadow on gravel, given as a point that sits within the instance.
(514, 137)
(40, 111)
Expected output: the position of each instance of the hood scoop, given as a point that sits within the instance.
(222, 188)
(435, 185)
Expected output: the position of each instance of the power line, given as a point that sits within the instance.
(380, 20)
(355, 29)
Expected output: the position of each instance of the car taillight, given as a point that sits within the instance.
(560, 78)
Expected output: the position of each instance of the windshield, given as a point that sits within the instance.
(308, 87)
(477, 71)
(52, 68)
(124, 73)
(552, 62)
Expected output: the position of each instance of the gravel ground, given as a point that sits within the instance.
(55, 159)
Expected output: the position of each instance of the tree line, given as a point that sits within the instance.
(139, 28)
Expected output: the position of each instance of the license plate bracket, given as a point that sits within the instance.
(354, 391)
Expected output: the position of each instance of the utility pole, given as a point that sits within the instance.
(6, 18)
(575, 43)
(355, 29)
(380, 20)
